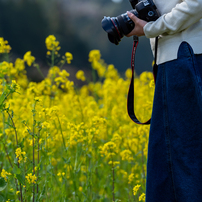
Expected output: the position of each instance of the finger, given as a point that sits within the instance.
(132, 16)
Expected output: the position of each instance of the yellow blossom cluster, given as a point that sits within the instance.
(29, 58)
(69, 57)
(31, 178)
(130, 178)
(142, 197)
(109, 149)
(52, 44)
(136, 188)
(94, 55)
(5, 174)
(16, 71)
(80, 75)
(20, 155)
(97, 63)
(4, 47)
(126, 155)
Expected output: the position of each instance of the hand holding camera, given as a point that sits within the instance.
(139, 25)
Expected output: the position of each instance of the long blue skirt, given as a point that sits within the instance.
(174, 167)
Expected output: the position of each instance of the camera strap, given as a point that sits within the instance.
(130, 101)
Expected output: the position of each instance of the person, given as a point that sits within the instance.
(174, 165)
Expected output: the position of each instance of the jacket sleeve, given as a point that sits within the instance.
(181, 17)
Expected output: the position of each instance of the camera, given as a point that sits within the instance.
(117, 27)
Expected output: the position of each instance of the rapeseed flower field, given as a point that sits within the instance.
(61, 143)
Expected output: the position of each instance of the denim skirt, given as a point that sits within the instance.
(174, 166)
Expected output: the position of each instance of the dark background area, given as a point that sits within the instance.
(77, 26)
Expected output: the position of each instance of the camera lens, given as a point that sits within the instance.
(117, 27)
(111, 27)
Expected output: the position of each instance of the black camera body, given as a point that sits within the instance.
(117, 27)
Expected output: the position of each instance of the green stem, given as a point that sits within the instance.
(113, 174)
(39, 70)
(7, 151)
(62, 64)
(38, 165)
(7, 154)
(4, 143)
(52, 57)
(63, 139)
(33, 144)
(16, 136)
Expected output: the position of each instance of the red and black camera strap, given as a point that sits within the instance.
(130, 101)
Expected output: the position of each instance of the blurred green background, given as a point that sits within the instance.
(76, 24)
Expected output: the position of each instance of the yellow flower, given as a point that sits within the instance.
(19, 64)
(112, 73)
(152, 84)
(52, 44)
(18, 152)
(130, 178)
(20, 155)
(53, 71)
(142, 197)
(69, 57)
(48, 53)
(126, 155)
(109, 150)
(64, 73)
(146, 77)
(59, 80)
(128, 73)
(94, 55)
(80, 189)
(13, 71)
(17, 192)
(4, 48)
(114, 163)
(31, 178)
(80, 75)
(136, 188)
(29, 58)
(15, 86)
(5, 68)
(4, 174)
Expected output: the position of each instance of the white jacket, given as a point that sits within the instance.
(180, 21)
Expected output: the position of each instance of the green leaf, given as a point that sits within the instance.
(67, 161)
(42, 194)
(21, 178)
(9, 124)
(21, 144)
(2, 98)
(2, 198)
(16, 170)
(3, 184)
